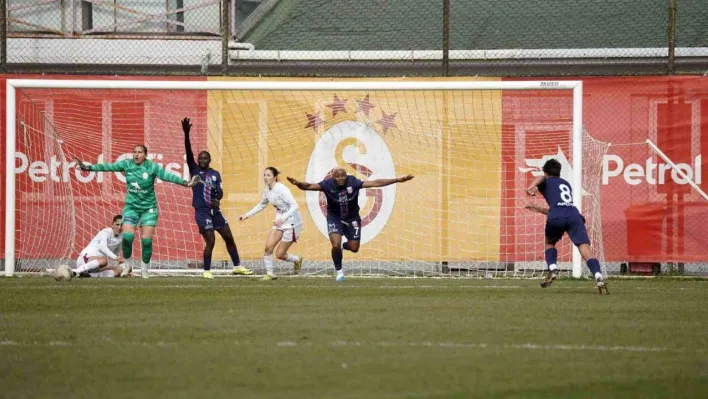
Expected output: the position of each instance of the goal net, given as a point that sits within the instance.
(473, 148)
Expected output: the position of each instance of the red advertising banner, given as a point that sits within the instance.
(647, 212)
(59, 208)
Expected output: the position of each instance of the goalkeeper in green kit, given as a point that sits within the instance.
(140, 201)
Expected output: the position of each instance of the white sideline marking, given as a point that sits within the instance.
(529, 346)
(533, 346)
(34, 343)
(67, 285)
(259, 285)
(402, 344)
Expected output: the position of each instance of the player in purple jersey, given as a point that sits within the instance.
(342, 193)
(206, 197)
(562, 217)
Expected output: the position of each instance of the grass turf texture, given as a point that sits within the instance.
(365, 338)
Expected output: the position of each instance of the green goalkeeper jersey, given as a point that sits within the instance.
(140, 180)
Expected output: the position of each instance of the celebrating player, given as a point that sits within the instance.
(287, 225)
(342, 193)
(562, 217)
(140, 201)
(93, 260)
(205, 200)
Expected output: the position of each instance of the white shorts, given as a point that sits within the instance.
(291, 234)
(103, 274)
(88, 253)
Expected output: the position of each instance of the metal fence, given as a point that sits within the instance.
(355, 38)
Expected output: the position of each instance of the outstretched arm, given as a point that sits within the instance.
(386, 182)
(259, 207)
(172, 178)
(186, 128)
(304, 186)
(533, 188)
(103, 167)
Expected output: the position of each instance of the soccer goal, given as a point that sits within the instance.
(472, 145)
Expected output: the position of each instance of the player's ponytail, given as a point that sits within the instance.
(274, 171)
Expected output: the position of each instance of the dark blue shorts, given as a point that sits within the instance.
(573, 225)
(209, 219)
(348, 228)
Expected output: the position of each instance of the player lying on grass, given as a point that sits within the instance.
(140, 201)
(206, 198)
(93, 260)
(287, 225)
(562, 217)
(342, 193)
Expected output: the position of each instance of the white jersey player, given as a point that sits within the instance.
(287, 225)
(93, 260)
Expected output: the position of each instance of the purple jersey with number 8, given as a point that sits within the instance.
(563, 216)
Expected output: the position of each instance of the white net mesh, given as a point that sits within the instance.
(472, 153)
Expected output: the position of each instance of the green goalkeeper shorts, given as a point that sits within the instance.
(143, 217)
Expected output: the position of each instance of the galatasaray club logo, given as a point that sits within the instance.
(357, 147)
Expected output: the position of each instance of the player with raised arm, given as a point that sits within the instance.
(206, 197)
(140, 201)
(287, 225)
(93, 260)
(342, 193)
(562, 217)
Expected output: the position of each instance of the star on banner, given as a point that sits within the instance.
(365, 105)
(387, 121)
(337, 106)
(314, 121)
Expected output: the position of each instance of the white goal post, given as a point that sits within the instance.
(329, 86)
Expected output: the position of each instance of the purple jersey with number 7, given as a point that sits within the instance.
(342, 202)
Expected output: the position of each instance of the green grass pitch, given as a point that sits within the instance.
(365, 338)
